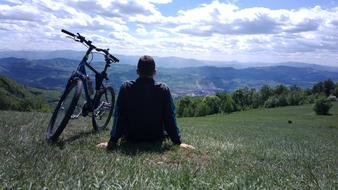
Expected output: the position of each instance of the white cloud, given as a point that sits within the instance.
(216, 30)
(227, 19)
(19, 12)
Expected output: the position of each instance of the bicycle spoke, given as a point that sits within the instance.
(103, 111)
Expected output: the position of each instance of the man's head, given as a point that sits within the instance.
(146, 66)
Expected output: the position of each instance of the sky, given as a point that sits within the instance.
(219, 30)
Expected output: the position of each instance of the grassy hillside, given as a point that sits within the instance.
(14, 96)
(256, 149)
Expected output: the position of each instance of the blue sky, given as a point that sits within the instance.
(286, 4)
(171, 9)
(232, 30)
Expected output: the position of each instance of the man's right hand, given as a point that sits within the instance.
(188, 146)
(102, 145)
(109, 145)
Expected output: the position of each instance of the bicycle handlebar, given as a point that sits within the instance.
(67, 32)
(110, 56)
(82, 39)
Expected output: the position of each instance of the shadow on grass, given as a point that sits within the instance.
(132, 149)
(61, 143)
(327, 114)
(80, 135)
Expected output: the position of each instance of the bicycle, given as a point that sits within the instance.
(100, 105)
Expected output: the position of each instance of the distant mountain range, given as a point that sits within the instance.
(166, 62)
(53, 73)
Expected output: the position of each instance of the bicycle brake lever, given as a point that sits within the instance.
(73, 38)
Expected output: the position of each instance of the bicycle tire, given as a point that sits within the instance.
(103, 107)
(73, 91)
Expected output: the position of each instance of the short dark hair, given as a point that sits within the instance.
(146, 65)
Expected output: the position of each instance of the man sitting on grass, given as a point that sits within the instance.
(144, 110)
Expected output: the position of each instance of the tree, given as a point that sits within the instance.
(25, 105)
(255, 100)
(335, 91)
(188, 112)
(318, 88)
(265, 92)
(182, 104)
(5, 102)
(307, 92)
(294, 88)
(281, 89)
(248, 94)
(226, 102)
(213, 103)
(202, 109)
(238, 98)
(328, 87)
(281, 100)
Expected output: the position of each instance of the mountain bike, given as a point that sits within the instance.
(100, 104)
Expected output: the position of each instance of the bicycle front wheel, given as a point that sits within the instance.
(103, 108)
(64, 109)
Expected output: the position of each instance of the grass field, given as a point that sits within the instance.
(256, 149)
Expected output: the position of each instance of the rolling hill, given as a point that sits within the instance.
(53, 73)
(14, 96)
(165, 62)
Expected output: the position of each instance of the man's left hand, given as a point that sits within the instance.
(188, 146)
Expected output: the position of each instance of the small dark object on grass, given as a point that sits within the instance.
(289, 121)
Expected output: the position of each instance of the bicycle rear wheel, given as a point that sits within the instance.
(103, 108)
(64, 109)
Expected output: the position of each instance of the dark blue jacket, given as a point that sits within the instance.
(144, 110)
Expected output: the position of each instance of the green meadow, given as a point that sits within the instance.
(279, 148)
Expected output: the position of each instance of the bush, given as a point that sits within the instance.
(271, 102)
(322, 106)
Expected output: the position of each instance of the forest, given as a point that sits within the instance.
(250, 98)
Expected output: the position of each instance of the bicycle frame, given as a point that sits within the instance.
(81, 69)
(82, 74)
